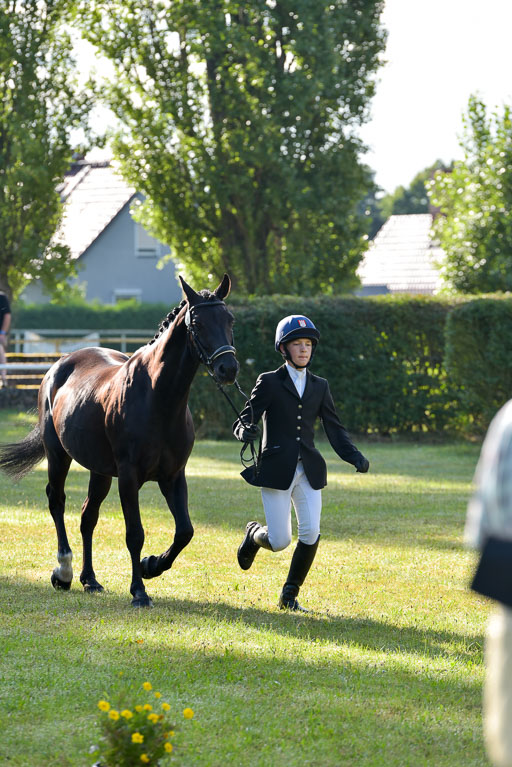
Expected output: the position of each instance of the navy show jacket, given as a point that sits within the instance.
(288, 430)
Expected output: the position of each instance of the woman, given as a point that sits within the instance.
(5, 324)
(291, 470)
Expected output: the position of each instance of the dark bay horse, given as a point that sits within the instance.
(127, 418)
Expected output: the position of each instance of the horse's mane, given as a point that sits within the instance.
(169, 319)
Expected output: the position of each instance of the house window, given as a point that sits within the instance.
(126, 294)
(145, 245)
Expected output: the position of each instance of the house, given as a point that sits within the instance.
(116, 258)
(402, 258)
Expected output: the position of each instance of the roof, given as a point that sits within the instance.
(93, 195)
(402, 258)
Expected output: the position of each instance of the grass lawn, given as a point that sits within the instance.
(386, 670)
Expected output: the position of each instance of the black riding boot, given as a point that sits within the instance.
(256, 537)
(302, 560)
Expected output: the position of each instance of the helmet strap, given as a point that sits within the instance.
(286, 355)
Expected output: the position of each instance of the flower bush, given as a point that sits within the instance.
(137, 734)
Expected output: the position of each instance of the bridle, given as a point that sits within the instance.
(208, 360)
(204, 357)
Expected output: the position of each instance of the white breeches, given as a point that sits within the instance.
(277, 506)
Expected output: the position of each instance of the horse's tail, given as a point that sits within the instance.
(18, 458)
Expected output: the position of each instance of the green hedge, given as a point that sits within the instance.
(479, 356)
(383, 357)
(128, 314)
(394, 363)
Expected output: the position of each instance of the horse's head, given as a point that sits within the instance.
(210, 326)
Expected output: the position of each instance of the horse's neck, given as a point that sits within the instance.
(174, 365)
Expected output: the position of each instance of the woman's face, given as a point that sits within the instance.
(300, 350)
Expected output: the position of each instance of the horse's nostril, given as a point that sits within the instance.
(227, 370)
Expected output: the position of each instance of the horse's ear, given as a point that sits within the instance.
(223, 290)
(190, 294)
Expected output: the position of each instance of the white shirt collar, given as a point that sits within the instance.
(295, 373)
(298, 378)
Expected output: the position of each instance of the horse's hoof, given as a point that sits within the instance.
(59, 585)
(93, 587)
(148, 567)
(142, 601)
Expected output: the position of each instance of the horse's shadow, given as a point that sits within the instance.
(341, 630)
(344, 631)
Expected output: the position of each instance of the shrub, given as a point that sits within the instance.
(74, 316)
(383, 357)
(479, 356)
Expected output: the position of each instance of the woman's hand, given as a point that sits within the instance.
(249, 433)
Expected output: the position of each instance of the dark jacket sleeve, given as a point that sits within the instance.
(259, 401)
(4, 305)
(336, 432)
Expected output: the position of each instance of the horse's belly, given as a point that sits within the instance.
(91, 450)
(81, 431)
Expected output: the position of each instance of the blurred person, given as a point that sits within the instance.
(5, 324)
(489, 529)
(291, 470)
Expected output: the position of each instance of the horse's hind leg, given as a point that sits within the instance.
(176, 495)
(58, 467)
(98, 491)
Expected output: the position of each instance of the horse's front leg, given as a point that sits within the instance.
(129, 495)
(175, 493)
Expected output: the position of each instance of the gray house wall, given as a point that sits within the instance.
(110, 269)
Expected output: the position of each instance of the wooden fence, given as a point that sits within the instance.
(32, 352)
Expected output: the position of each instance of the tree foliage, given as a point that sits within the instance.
(38, 110)
(370, 207)
(239, 128)
(475, 199)
(413, 198)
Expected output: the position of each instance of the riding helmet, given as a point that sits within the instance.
(295, 326)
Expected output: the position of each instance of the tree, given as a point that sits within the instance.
(239, 128)
(411, 199)
(370, 207)
(475, 199)
(39, 107)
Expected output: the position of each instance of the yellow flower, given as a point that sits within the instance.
(144, 758)
(147, 686)
(139, 708)
(148, 707)
(168, 747)
(166, 707)
(153, 718)
(113, 714)
(188, 713)
(158, 694)
(103, 705)
(137, 737)
(171, 733)
(127, 714)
